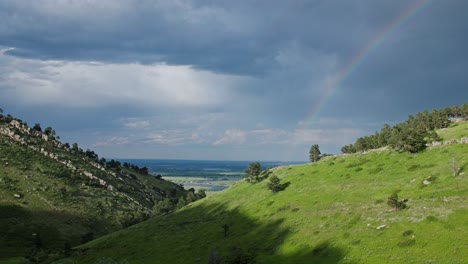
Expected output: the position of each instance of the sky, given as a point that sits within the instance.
(228, 80)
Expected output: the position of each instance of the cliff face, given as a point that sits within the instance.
(54, 196)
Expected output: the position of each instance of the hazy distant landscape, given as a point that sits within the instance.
(212, 176)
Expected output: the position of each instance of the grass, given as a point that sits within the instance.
(41, 197)
(455, 131)
(332, 211)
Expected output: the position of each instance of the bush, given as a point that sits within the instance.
(275, 184)
(396, 204)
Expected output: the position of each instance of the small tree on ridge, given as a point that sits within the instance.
(314, 153)
(252, 172)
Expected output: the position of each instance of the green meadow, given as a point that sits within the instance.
(331, 211)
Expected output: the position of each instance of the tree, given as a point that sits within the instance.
(163, 207)
(201, 194)
(275, 184)
(348, 149)
(252, 172)
(48, 131)
(181, 203)
(314, 153)
(75, 148)
(191, 197)
(37, 127)
(408, 137)
(464, 110)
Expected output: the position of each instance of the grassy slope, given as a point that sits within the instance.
(455, 131)
(329, 213)
(62, 205)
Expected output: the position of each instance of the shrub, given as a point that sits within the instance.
(396, 204)
(275, 184)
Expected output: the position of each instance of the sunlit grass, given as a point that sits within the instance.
(456, 131)
(332, 211)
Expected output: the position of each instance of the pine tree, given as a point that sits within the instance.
(252, 172)
(314, 153)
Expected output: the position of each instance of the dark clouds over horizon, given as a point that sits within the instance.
(225, 79)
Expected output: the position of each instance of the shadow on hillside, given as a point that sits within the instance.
(35, 234)
(285, 185)
(207, 234)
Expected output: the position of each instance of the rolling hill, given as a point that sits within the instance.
(331, 211)
(54, 196)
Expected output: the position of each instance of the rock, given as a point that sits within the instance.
(18, 196)
(15, 123)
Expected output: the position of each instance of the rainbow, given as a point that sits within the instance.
(358, 60)
(351, 67)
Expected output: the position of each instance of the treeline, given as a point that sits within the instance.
(411, 135)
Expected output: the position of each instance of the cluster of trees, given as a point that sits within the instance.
(170, 204)
(143, 170)
(254, 174)
(411, 135)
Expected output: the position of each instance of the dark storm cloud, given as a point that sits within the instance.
(226, 36)
(151, 76)
(421, 65)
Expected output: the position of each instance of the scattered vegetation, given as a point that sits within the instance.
(326, 216)
(66, 196)
(323, 217)
(396, 204)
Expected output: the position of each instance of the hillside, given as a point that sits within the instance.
(331, 211)
(53, 196)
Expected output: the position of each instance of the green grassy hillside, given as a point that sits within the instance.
(455, 131)
(332, 211)
(52, 198)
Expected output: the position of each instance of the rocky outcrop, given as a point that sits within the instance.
(433, 144)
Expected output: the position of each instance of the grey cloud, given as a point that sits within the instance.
(250, 62)
(226, 36)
